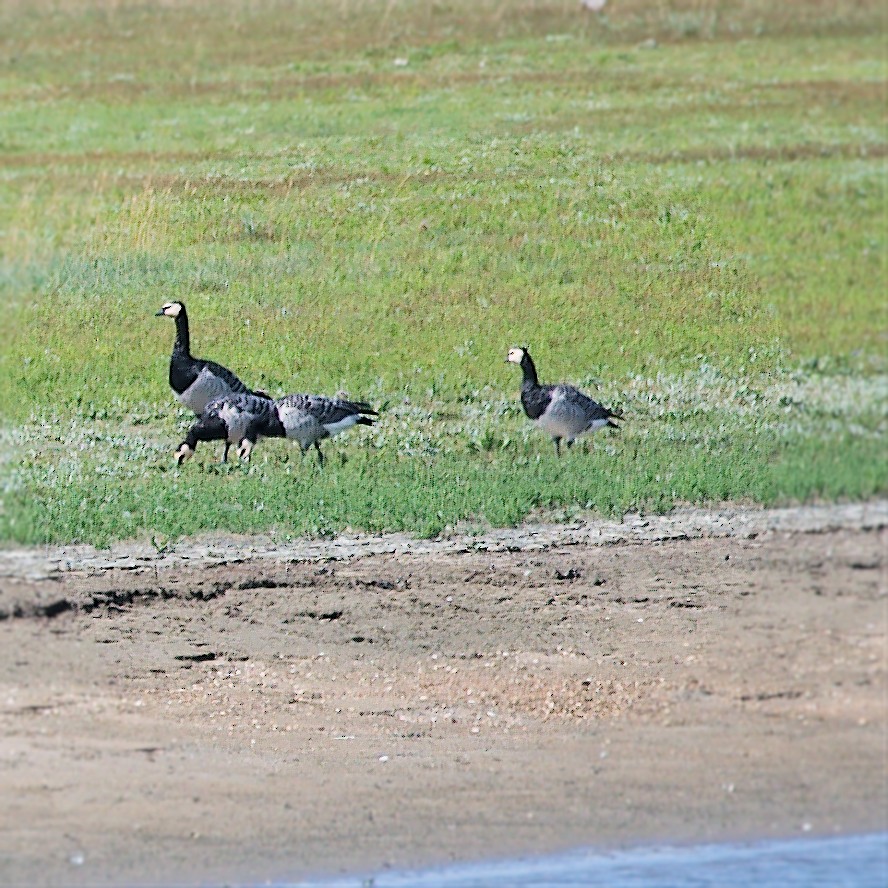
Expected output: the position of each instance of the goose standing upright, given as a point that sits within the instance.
(196, 381)
(561, 410)
(244, 418)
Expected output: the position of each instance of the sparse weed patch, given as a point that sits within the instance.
(428, 466)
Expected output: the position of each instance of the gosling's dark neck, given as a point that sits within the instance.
(530, 372)
(182, 345)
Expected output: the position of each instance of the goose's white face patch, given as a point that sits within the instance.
(245, 451)
(516, 355)
(172, 309)
(183, 453)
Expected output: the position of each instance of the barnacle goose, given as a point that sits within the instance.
(231, 418)
(561, 410)
(196, 381)
(243, 419)
(309, 419)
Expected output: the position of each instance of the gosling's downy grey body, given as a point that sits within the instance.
(561, 410)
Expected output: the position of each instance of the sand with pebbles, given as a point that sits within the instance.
(244, 710)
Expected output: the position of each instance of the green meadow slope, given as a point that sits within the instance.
(679, 206)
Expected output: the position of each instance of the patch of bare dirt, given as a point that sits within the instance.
(271, 720)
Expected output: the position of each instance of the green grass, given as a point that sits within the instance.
(674, 227)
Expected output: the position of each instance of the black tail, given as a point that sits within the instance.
(361, 407)
(366, 420)
(613, 425)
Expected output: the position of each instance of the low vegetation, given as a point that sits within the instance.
(679, 206)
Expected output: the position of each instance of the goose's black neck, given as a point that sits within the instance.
(530, 373)
(274, 428)
(182, 345)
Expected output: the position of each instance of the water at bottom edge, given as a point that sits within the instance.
(856, 861)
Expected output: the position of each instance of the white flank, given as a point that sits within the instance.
(299, 425)
(558, 428)
(236, 421)
(334, 428)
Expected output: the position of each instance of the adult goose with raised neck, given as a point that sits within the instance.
(196, 381)
(561, 410)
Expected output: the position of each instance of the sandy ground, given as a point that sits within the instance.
(271, 719)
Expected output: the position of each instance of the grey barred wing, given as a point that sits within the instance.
(258, 406)
(358, 407)
(327, 411)
(250, 407)
(310, 418)
(336, 411)
(591, 409)
(571, 413)
(225, 375)
(311, 405)
(240, 416)
(201, 382)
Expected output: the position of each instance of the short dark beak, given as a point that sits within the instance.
(158, 314)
